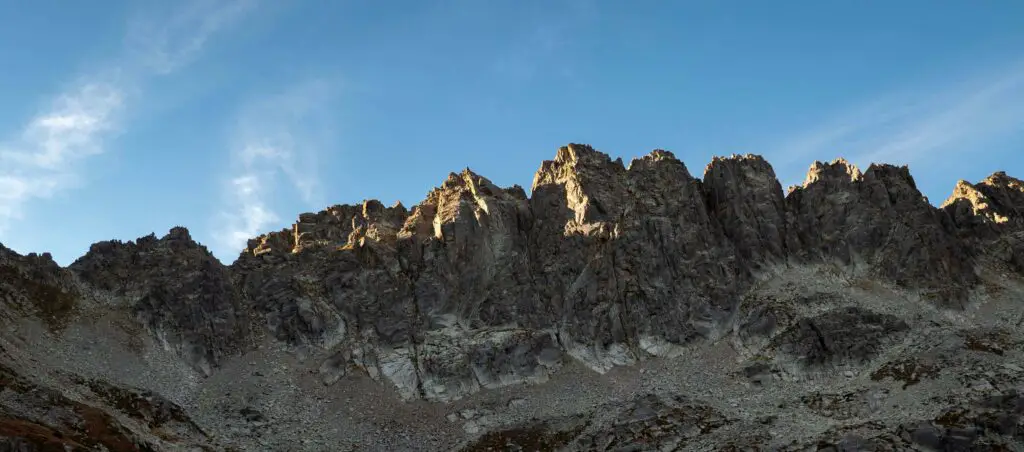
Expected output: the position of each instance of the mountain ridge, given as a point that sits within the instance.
(998, 177)
(603, 269)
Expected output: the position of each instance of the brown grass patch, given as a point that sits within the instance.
(40, 436)
(994, 342)
(909, 371)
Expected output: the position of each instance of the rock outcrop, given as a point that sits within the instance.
(479, 288)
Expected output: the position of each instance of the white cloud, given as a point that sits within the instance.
(925, 122)
(275, 139)
(43, 159)
(987, 107)
(248, 193)
(46, 156)
(72, 127)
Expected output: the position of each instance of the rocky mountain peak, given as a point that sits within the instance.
(164, 283)
(179, 234)
(839, 170)
(582, 180)
(891, 175)
(467, 183)
(657, 158)
(745, 197)
(997, 200)
(577, 162)
(1007, 195)
(659, 155)
(967, 191)
(970, 207)
(581, 154)
(892, 185)
(989, 215)
(747, 162)
(852, 278)
(35, 285)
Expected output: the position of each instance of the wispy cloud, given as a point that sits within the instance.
(923, 122)
(42, 159)
(163, 44)
(248, 192)
(274, 140)
(46, 156)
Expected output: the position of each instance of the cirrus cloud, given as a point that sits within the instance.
(46, 156)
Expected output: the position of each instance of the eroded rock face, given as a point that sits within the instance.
(1006, 195)
(630, 258)
(605, 263)
(479, 275)
(438, 301)
(466, 252)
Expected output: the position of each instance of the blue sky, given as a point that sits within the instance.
(121, 118)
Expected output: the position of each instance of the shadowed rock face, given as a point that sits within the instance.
(177, 290)
(481, 287)
(841, 336)
(629, 259)
(880, 221)
(606, 263)
(35, 285)
(745, 198)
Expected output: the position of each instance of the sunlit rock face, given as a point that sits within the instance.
(989, 218)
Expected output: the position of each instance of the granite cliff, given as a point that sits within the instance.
(615, 307)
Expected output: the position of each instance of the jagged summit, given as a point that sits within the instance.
(852, 277)
(734, 186)
(876, 220)
(839, 170)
